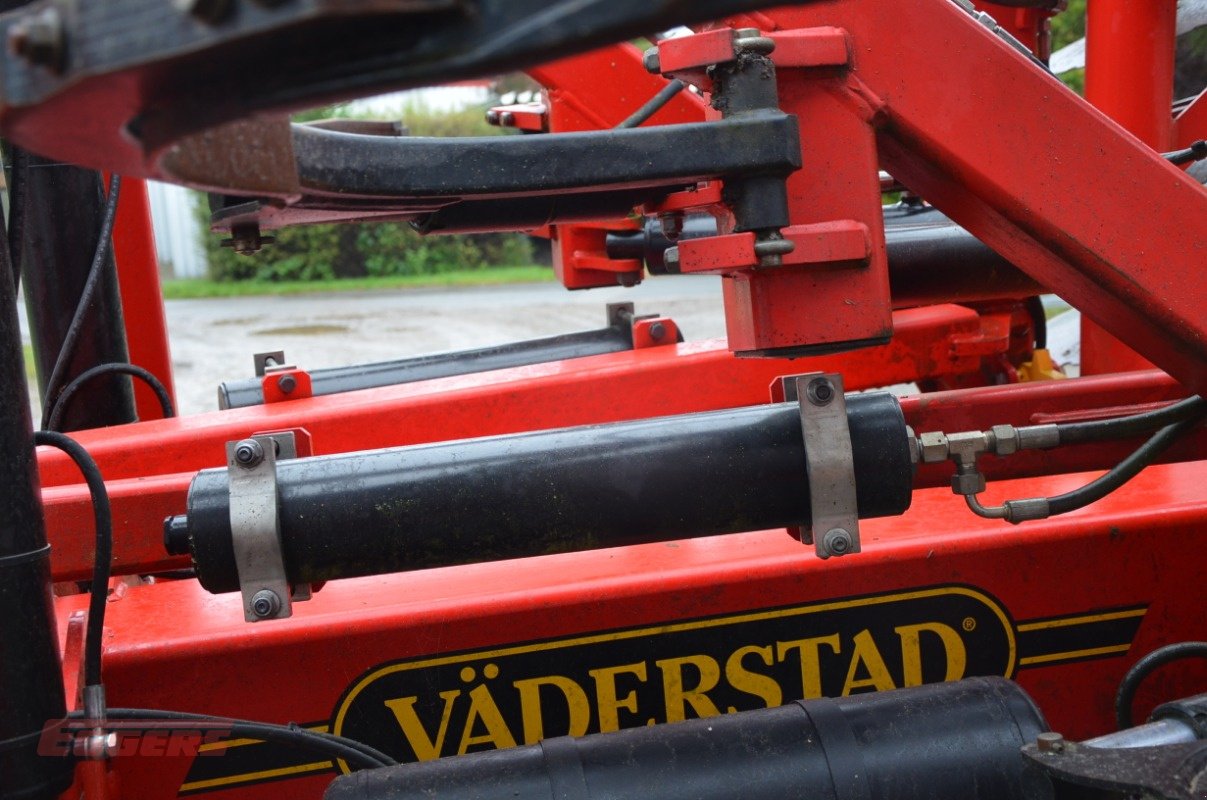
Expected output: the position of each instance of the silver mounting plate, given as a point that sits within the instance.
(255, 527)
(830, 464)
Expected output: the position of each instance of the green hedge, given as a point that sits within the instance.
(324, 252)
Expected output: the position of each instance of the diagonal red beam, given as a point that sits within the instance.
(1033, 170)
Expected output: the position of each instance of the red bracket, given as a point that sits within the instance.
(286, 383)
(654, 332)
(841, 243)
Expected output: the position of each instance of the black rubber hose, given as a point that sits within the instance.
(654, 104)
(355, 753)
(101, 566)
(1124, 471)
(61, 402)
(1145, 667)
(104, 242)
(1126, 427)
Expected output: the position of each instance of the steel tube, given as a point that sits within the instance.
(61, 231)
(250, 392)
(583, 488)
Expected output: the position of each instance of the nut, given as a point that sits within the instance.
(287, 383)
(1005, 440)
(967, 483)
(933, 447)
(1050, 743)
(265, 603)
(671, 259)
(651, 61)
(248, 453)
(837, 542)
(820, 393)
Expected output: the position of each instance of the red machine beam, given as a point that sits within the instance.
(1130, 50)
(142, 300)
(1041, 194)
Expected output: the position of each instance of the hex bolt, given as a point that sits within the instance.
(651, 61)
(265, 603)
(837, 542)
(1050, 743)
(671, 259)
(207, 11)
(287, 383)
(248, 453)
(657, 331)
(39, 39)
(820, 393)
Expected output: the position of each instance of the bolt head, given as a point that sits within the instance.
(265, 603)
(492, 117)
(820, 392)
(287, 383)
(1050, 743)
(248, 453)
(208, 11)
(651, 61)
(507, 119)
(837, 542)
(657, 331)
(38, 38)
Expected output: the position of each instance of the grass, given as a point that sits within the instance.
(29, 364)
(202, 288)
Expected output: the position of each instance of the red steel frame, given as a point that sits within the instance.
(171, 645)
(1129, 76)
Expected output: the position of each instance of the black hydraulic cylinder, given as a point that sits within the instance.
(948, 741)
(613, 339)
(31, 682)
(62, 225)
(582, 488)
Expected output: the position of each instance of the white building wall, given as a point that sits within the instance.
(177, 230)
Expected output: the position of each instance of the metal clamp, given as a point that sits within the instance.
(830, 464)
(264, 361)
(256, 528)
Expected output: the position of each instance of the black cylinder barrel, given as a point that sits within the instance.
(947, 741)
(503, 497)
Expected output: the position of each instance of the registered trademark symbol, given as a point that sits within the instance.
(969, 624)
